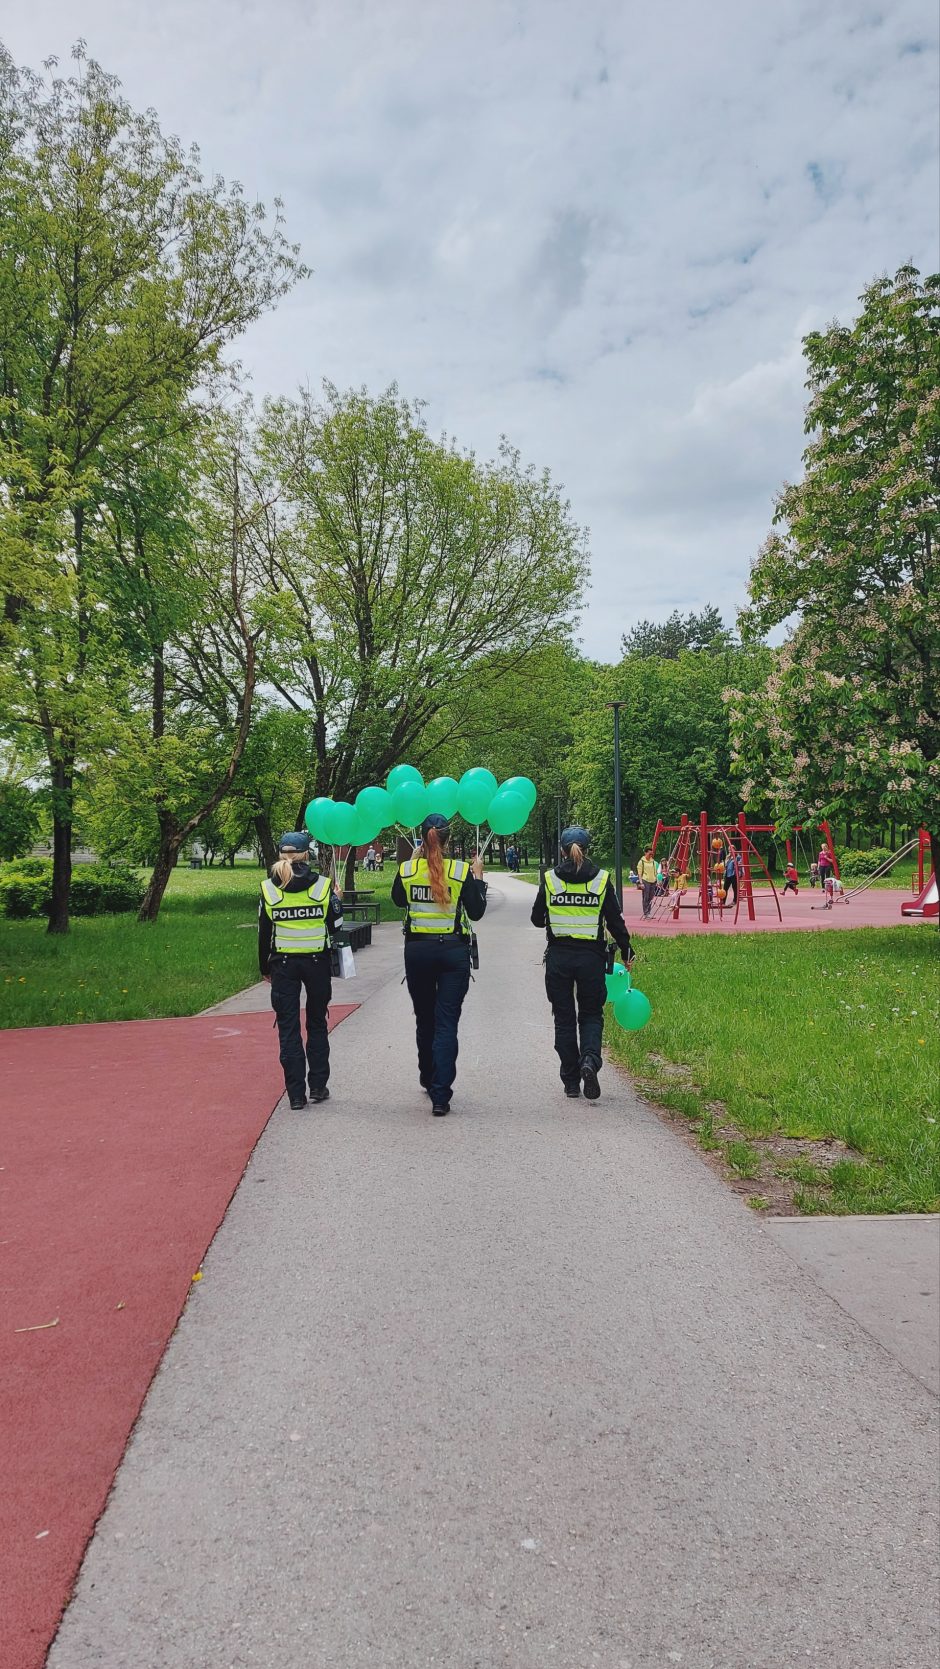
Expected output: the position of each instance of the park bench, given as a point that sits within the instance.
(365, 912)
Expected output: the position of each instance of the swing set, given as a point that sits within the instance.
(701, 852)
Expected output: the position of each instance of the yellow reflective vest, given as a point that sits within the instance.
(574, 907)
(298, 919)
(425, 915)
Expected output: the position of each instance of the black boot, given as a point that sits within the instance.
(592, 1088)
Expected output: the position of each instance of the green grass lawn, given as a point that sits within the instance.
(812, 1036)
(201, 949)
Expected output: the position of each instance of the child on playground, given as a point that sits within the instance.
(834, 889)
(792, 880)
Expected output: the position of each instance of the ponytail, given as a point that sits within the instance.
(576, 854)
(434, 856)
(282, 871)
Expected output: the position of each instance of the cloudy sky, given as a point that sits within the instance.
(599, 228)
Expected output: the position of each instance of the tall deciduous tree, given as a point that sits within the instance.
(415, 576)
(123, 275)
(849, 720)
(675, 742)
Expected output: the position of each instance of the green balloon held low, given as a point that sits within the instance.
(475, 791)
(631, 1008)
(615, 982)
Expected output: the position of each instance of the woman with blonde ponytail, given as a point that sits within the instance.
(440, 896)
(297, 914)
(575, 903)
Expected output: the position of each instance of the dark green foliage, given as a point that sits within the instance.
(97, 889)
(665, 640)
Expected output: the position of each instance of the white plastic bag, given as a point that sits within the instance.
(346, 962)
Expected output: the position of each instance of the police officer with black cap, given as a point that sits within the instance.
(576, 901)
(440, 896)
(297, 914)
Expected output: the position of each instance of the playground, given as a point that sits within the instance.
(715, 877)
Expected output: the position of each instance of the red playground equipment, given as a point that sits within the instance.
(927, 902)
(701, 852)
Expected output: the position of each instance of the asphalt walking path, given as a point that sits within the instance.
(523, 1386)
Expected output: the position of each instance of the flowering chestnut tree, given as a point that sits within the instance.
(849, 719)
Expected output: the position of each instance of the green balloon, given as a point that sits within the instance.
(632, 1010)
(524, 786)
(410, 803)
(402, 773)
(443, 796)
(507, 813)
(615, 982)
(374, 812)
(475, 791)
(341, 823)
(315, 814)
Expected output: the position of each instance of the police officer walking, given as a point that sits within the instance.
(440, 896)
(297, 914)
(575, 902)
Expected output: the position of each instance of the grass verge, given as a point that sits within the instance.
(808, 1061)
(201, 949)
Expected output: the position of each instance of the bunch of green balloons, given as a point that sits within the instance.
(631, 1008)
(407, 799)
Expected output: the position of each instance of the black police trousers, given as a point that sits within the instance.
(576, 969)
(291, 976)
(437, 969)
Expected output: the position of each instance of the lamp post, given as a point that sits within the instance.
(618, 832)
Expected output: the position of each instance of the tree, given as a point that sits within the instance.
(849, 718)
(123, 275)
(408, 577)
(665, 640)
(675, 742)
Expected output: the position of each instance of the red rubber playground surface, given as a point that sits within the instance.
(878, 907)
(121, 1147)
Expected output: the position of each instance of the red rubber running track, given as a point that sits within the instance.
(122, 1145)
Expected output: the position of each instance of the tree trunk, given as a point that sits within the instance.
(349, 879)
(61, 848)
(171, 840)
(265, 840)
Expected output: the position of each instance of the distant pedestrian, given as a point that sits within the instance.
(791, 884)
(731, 877)
(814, 874)
(824, 862)
(646, 870)
(370, 858)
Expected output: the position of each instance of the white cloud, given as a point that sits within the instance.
(599, 229)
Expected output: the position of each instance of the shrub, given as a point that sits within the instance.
(861, 863)
(23, 895)
(97, 889)
(27, 866)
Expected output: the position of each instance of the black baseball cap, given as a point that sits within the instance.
(434, 820)
(295, 842)
(575, 836)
